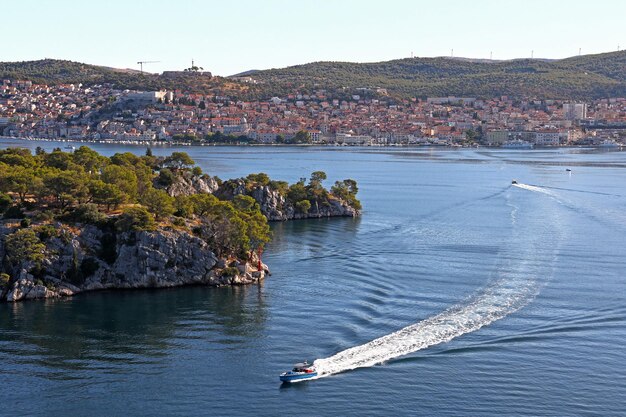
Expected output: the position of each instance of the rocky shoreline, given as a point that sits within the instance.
(85, 258)
(276, 207)
(77, 222)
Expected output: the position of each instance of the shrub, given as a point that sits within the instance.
(46, 231)
(303, 206)
(184, 206)
(24, 245)
(179, 221)
(135, 219)
(14, 212)
(88, 213)
(281, 186)
(166, 177)
(89, 266)
(25, 223)
(44, 216)
(230, 271)
(4, 280)
(259, 179)
(5, 202)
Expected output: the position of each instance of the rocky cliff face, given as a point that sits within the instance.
(277, 208)
(87, 259)
(188, 184)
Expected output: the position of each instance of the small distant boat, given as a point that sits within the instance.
(610, 144)
(300, 372)
(514, 182)
(568, 170)
(70, 148)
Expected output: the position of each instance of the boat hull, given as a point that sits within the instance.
(296, 377)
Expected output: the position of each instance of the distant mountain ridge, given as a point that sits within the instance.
(581, 77)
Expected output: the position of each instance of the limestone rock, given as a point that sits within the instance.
(188, 184)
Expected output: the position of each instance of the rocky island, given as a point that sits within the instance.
(75, 222)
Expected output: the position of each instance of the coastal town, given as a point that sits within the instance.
(367, 117)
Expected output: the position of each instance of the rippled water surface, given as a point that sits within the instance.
(456, 293)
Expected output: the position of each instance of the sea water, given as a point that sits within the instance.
(456, 293)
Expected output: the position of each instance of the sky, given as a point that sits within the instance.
(230, 36)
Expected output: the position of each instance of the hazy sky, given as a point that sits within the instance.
(231, 36)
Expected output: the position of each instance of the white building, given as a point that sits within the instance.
(147, 96)
(547, 138)
(497, 137)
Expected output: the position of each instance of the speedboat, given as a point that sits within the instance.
(568, 170)
(300, 372)
(514, 182)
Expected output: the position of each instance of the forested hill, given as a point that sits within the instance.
(581, 77)
(584, 77)
(53, 72)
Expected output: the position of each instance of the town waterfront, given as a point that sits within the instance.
(519, 289)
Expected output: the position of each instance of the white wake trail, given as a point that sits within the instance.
(534, 188)
(518, 281)
(493, 303)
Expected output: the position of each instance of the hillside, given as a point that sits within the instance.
(584, 77)
(52, 71)
(581, 77)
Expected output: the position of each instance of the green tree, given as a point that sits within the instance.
(19, 180)
(125, 159)
(5, 202)
(259, 179)
(303, 206)
(158, 202)
(346, 190)
(24, 245)
(203, 204)
(123, 177)
(65, 186)
(183, 206)
(297, 192)
(281, 186)
(108, 195)
(89, 159)
(179, 160)
(58, 159)
(166, 177)
(302, 137)
(317, 177)
(17, 157)
(135, 219)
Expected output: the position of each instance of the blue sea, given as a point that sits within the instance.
(457, 293)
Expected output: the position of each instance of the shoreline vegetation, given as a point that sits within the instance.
(80, 221)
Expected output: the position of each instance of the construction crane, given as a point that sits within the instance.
(145, 62)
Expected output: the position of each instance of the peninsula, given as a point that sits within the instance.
(79, 221)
